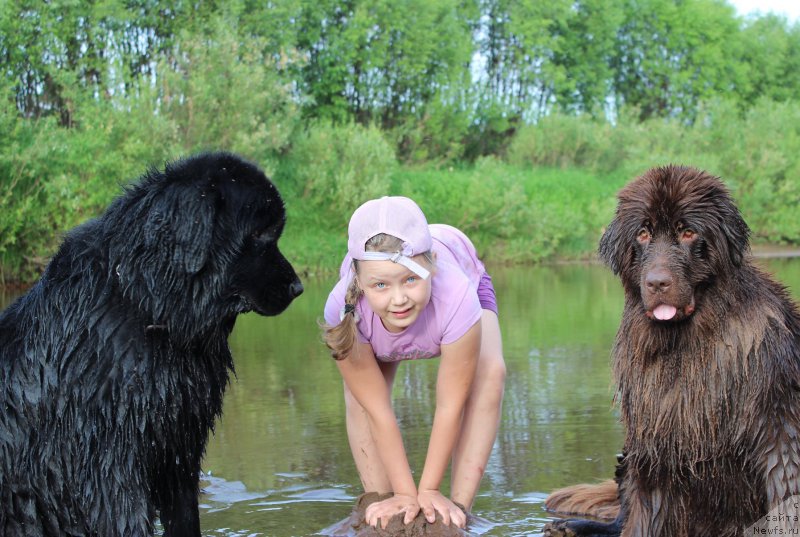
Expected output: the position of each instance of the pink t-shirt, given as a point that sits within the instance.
(453, 309)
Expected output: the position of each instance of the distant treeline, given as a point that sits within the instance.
(339, 100)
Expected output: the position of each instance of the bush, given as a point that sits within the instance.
(561, 141)
(336, 168)
(516, 214)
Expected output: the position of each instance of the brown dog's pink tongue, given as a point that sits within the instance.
(664, 312)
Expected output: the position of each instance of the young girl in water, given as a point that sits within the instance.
(410, 291)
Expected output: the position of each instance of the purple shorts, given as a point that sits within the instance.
(486, 294)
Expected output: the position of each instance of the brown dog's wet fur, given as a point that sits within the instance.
(706, 364)
(356, 525)
(599, 501)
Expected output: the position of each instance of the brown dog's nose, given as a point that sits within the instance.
(658, 280)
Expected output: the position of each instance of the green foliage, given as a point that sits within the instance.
(515, 214)
(543, 108)
(380, 61)
(338, 167)
(331, 170)
(221, 92)
(670, 56)
(770, 60)
(212, 92)
(566, 141)
(437, 136)
(757, 155)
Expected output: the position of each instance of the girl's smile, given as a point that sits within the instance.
(396, 294)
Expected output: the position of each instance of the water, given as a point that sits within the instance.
(279, 463)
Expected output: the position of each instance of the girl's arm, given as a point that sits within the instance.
(456, 373)
(365, 381)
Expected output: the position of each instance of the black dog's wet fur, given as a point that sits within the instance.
(113, 366)
(710, 401)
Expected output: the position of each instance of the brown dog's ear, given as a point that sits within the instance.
(736, 232)
(614, 249)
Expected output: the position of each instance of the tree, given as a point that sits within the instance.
(672, 54)
(770, 54)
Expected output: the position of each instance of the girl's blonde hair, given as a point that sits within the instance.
(341, 338)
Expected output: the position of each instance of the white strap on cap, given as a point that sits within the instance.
(399, 258)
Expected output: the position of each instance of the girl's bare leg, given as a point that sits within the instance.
(481, 417)
(368, 461)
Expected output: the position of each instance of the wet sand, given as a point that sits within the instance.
(356, 526)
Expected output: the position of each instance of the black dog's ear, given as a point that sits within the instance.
(181, 221)
(614, 248)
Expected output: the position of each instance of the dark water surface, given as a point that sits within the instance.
(279, 464)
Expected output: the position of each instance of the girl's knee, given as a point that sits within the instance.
(490, 380)
(493, 369)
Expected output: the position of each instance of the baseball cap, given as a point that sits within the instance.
(393, 215)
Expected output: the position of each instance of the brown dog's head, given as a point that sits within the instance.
(676, 231)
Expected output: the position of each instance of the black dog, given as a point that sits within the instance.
(113, 366)
(706, 363)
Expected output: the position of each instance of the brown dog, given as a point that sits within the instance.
(706, 364)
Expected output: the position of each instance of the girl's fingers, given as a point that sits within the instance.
(378, 515)
(411, 514)
(430, 514)
(459, 518)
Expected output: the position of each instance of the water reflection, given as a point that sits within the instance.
(279, 463)
(558, 424)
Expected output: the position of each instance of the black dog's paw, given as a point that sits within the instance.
(573, 527)
(558, 528)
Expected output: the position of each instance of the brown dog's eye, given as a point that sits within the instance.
(688, 234)
(643, 235)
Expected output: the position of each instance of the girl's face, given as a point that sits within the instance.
(394, 292)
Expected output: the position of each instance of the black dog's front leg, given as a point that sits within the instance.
(179, 513)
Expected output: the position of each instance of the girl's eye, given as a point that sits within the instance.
(411, 279)
(380, 285)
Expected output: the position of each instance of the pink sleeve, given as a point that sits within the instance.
(463, 311)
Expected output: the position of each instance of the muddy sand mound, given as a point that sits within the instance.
(356, 526)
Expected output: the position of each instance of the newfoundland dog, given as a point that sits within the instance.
(706, 365)
(113, 366)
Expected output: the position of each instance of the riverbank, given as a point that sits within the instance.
(771, 251)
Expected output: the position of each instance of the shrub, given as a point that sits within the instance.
(336, 168)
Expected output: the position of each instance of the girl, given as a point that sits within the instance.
(409, 291)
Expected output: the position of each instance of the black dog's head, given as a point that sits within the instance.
(197, 244)
(676, 230)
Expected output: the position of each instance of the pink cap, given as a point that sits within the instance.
(396, 216)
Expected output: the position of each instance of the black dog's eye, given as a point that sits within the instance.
(265, 235)
(643, 235)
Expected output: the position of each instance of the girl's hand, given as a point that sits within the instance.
(433, 501)
(381, 512)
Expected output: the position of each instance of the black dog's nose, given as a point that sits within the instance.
(296, 289)
(658, 280)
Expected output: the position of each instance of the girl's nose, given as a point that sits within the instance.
(399, 296)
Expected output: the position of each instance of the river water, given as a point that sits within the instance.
(279, 465)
